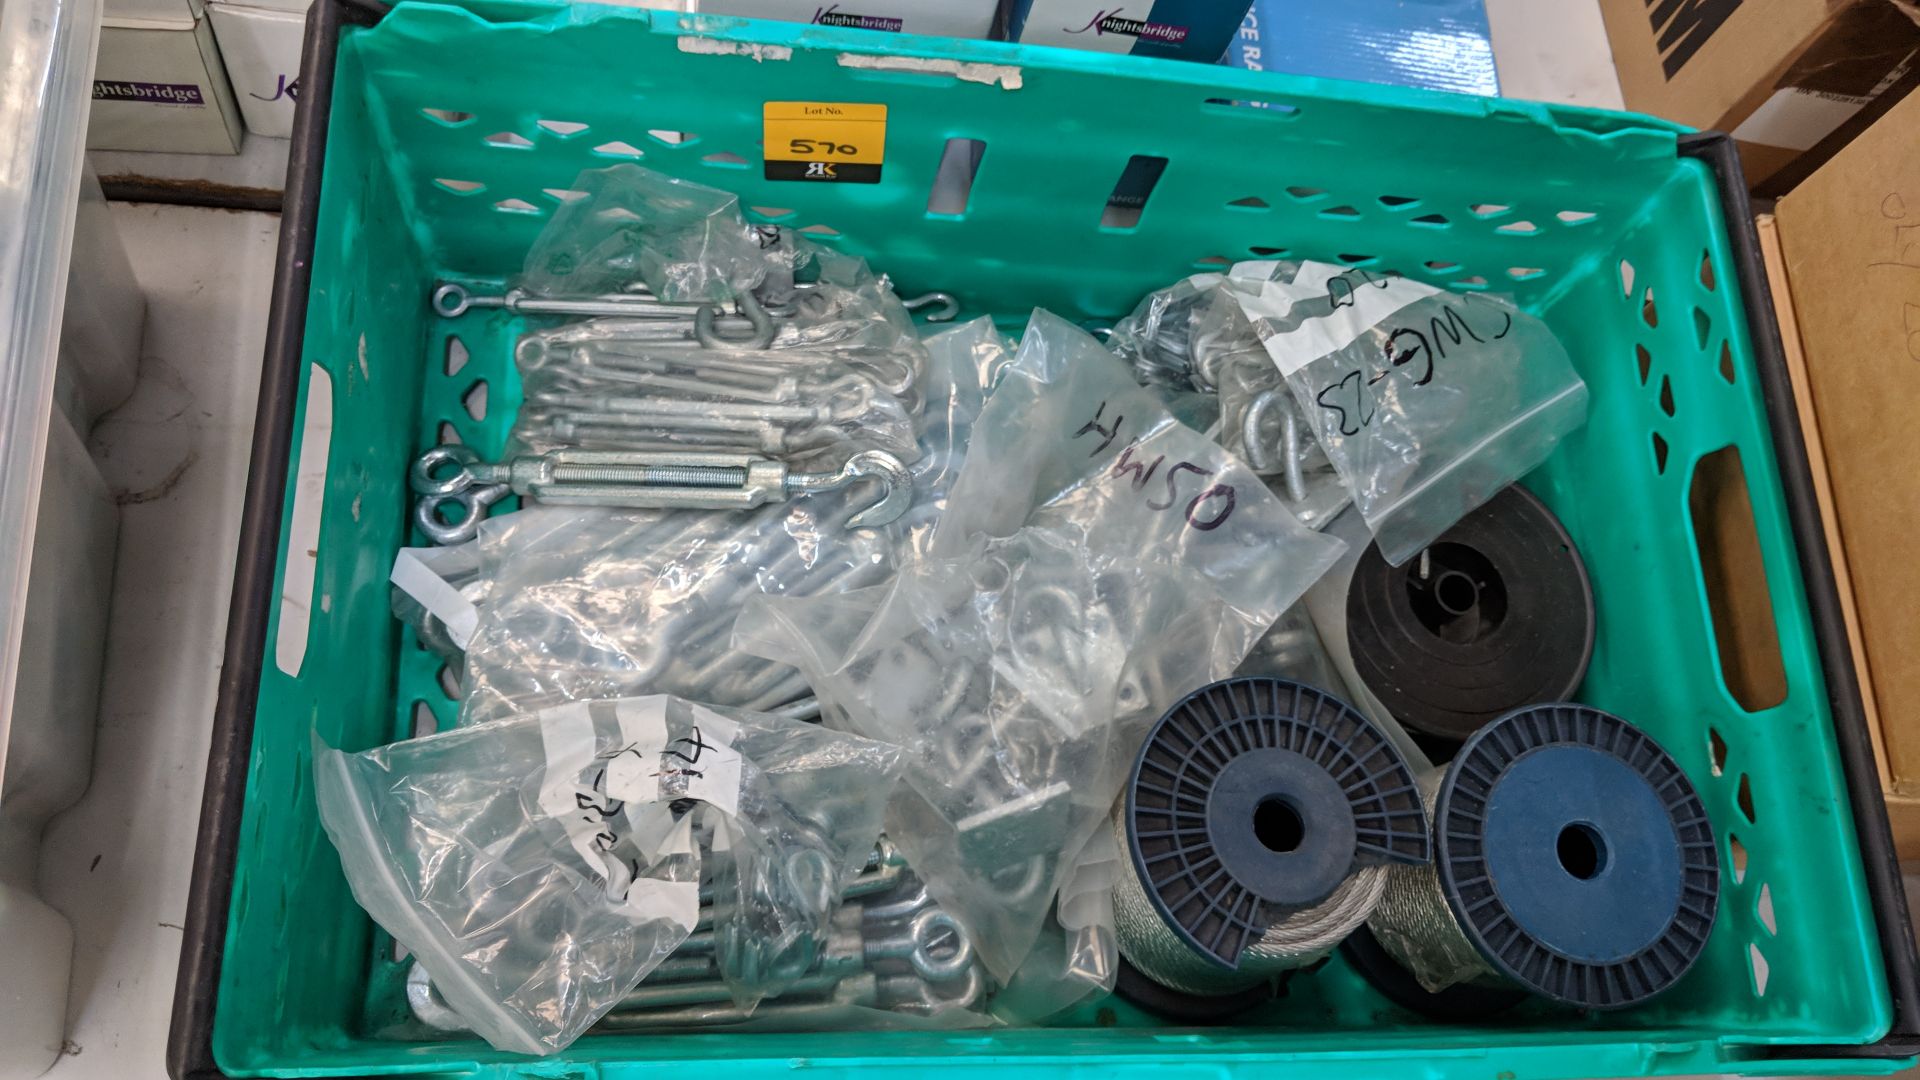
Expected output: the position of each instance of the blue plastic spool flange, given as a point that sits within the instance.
(1227, 760)
(1576, 856)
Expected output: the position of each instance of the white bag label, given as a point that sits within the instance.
(612, 770)
(422, 574)
(1359, 300)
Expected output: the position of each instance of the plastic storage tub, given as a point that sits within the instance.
(437, 142)
(70, 321)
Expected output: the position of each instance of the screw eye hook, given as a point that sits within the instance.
(709, 336)
(948, 310)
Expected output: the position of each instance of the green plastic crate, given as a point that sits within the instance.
(454, 131)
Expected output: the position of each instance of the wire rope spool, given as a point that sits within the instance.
(1573, 860)
(1257, 825)
(1496, 614)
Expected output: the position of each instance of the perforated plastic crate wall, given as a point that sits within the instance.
(455, 131)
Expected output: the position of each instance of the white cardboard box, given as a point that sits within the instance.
(261, 46)
(152, 14)
(162, 89)
(945, 18)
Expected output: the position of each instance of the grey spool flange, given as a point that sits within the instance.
(1254, 799)
(1576, 856)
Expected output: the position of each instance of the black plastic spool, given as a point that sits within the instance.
(1576, 856)
(1254, 798)
(1503, 618)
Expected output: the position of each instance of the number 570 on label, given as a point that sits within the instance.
(811, 147)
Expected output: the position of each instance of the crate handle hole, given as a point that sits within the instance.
(1250, 202)
(1659, 453)
(1626, 278)
(672, 138)
(456, 357)
(459, 187)
(618, 149)
(1488, 210)
(1431, 221)
(1666, 395)
(1398, 202)
(1128, 201)
(725, 159)
(1575, 217)
(1758, 961)
(448, 117)
(1763, 910)
(1726, 361)
(1649, 311)
(1737, 858)
(1733, 571)
(566, 129)
(562, 195)
(299, 568)
(1743, 798)
(1343, 213)
(953, 177)
(1268, 252)
(1707, 280)
(448, 434)
(1716, 751)
(1702, 327)
(1645, 361)
(1306, 194)
(509, 140)
(449, 683)
(1519, 228)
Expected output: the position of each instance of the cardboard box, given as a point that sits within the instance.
(1435, 44)
(261, 47)
(1177, 29)
(162, 89)
(1850, 244)
(944, 18)
(152, 14)
(1781, 75)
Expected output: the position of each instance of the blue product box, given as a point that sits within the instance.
(1436, 44)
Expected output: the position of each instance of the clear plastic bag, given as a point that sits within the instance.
(817, 360)
(1077, 953)
(687, 242)
(583, 603)
(538, 868)
(602, 392)
(1096, 560)
(1427, 402)
(1194, 343)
